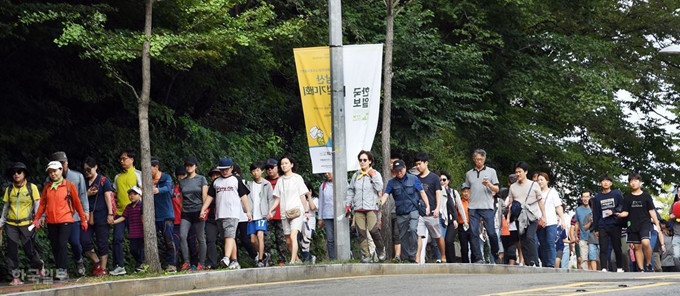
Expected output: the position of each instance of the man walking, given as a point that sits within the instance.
(483, 184)
(406, 190)
(605, 206)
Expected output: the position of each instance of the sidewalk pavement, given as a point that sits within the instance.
(220, 278)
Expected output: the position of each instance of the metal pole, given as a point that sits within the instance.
(338, 114)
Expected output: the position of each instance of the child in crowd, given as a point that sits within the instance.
(133, 218)
(261, 199)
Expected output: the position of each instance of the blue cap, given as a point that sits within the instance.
(225, 163)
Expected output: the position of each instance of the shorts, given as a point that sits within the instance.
(228, 227)
(421, 229)
(593, 252)
(433, 226)
(559, 253)
(257, 225)
(636, 237)
(289, 224)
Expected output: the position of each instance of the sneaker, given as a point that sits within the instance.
(80, 267)
(260, 263)
(225, 261)
(438, 261)
(649, 268)
(96, 268)
(102, 272)
(186, 267)
(200, 267)
(61, 275)
(171, 269)
(118, 271)
(140, 268)
(604, 270)
(298, 262)
(619, 270)
(234, 265)
(366, 260)
(267, 259)
(396, 259)
(382, 255)
(16, 282)
(313, 259)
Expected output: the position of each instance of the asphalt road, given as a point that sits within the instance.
(594, 283)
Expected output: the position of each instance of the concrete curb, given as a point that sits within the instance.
(222, 278)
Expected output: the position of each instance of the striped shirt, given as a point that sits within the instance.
(133, 219)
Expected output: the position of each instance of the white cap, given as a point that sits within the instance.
(136, 190)
(53, 165)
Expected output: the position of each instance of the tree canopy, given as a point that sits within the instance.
(539, 81)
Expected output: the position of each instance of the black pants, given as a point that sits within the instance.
(529, 245)
(211, 234)
(98, 233)
(58, 234)
(137, 250)
(509, 246)
(16, 235)
(166, 230)
(242, 234)
(464, 237)
(610, 234)
(449, 242)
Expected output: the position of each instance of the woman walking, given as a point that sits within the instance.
(363, 196)
(195, 201)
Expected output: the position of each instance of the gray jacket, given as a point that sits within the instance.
(363, 194)
(267, 196)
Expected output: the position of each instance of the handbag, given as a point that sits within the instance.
(292, 214)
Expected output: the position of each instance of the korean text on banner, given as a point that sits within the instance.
(362, 76)
(362, 69)
(314, 75)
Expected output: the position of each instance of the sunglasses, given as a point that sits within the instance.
(443, 179)
(18, 172)
(363, 159)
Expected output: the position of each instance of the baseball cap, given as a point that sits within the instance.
(271, 163)
(59, 156)
(180, 170)
(53, 165)
(464, 186)
(191, 160)
(512, 178)
(398, 165)
(155, 161)
(136, 190)
(225, 163)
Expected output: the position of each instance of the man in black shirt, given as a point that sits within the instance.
(639, 208)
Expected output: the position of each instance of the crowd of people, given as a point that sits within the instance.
(523, 223)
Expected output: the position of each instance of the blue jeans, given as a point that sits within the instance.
(74, 241)
(475, 227)
(330, 237)
(165, 228)
(546, 238)
(564, 264)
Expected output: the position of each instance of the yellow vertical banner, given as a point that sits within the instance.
(313, 67)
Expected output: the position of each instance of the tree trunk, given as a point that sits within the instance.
(150, 244)
(386, 230)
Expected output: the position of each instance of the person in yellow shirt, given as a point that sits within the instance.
(130, 177)
(21, 200)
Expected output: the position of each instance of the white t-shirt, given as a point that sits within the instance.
(228, 193)
(289, 189)
(256, 193)
(551, 201)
